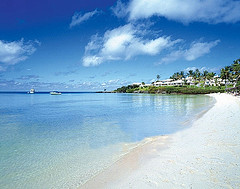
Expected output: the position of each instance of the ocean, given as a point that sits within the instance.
(61, 141)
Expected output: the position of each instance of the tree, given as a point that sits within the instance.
(216, 82)
(177, 75)
(190, 73)
(182, 75)
(205, 73)
(174, 76)
(225, 74)
(158, 77)
(197, 74)
(235, 68)
(211, 75)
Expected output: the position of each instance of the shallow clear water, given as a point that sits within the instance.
(61, 141)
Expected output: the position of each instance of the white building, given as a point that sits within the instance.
(177, 82)
(137, 84)
(216, 81)
(146, 85)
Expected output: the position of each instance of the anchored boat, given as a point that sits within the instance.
(32, 91)
(55, 93)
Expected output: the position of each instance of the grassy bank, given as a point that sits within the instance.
(171, 89)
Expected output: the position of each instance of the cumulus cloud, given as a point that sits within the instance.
(78, 17)
(123, 43)
(196, 50)
(185, 11)
(14, 52)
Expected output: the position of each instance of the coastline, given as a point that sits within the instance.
(128, 163)
(202, 156)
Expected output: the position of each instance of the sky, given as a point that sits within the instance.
(79, 45)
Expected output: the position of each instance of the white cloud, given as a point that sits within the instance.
(199, 49)
(196, 50)
(202, 69)
(78, 18)
(13, 52)
(119, 9)
(114, 83)
(194, 69)
(123, 43)
(185, 11)
(173, 56)
(92, 60)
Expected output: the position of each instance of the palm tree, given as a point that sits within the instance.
(225, 74)
(194, 77)
(190, 73)
(211, 75)
(205, 73)
(158, 77)
(178, 75)
(216, 82)
(182, 74)
(235, 67)
(198, 74)
(174, 76)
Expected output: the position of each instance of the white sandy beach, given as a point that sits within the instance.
(207, 155)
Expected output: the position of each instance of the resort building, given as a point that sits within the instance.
(215, 81)
(136, 84)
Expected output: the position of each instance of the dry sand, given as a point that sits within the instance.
(207, 155)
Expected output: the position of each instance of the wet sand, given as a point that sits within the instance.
(206, 155)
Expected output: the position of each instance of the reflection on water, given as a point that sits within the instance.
(61, 141)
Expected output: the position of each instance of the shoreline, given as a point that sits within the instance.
(161, 155)
(128, 162)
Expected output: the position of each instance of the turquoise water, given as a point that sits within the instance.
(61, 141)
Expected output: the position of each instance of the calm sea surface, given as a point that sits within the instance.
(60, 141)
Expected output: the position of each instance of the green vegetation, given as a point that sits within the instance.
(171, 89)
(199, 78)
(127, 89)
(228, 73)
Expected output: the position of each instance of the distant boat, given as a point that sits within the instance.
(32, 91)
(55, 93)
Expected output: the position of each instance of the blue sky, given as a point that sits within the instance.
(92, 45)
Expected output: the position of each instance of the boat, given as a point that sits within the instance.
(32, 91)
(55, 93)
